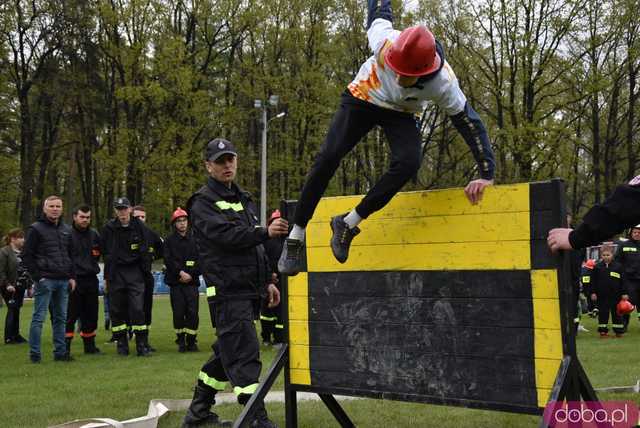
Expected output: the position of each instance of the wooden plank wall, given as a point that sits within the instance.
(440, 301)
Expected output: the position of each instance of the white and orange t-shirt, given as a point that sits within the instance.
(376, 82)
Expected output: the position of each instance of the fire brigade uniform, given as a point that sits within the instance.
(83, 301)
(124, 250)
(618, 212)
(181, 254)
(271, 319)
(235, 270)
(628, 254)
(155, 251)
(605, 281)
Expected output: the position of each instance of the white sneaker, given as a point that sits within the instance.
(581, 328)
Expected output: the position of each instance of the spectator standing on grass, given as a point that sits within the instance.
(14, 281)
(606, 290)
(628, 255)
(154, 252)
(83, 301)
(183, 278)
(48, 258)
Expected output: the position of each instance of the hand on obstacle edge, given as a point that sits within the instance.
(558, 239)
(475, 189)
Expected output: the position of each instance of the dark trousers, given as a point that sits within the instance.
(632, 286)
(271, 323)
(12, 321)
(149, 284)
(184, 303)
(236, 354)
(126, 299)
(83, 305)
(353, 120)
(606, 306)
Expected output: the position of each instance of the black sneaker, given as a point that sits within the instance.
(65, 357)
(290, 262)
(342, 237)
(35, 358)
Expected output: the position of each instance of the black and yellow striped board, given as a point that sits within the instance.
(440, 301)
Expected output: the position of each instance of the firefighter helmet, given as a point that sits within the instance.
(179, 212)
(624, 307)
(413, 53)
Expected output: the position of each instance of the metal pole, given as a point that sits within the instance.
(263, 170)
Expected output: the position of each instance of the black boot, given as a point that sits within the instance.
(192, 343)
(341, 237)
(141, 344)
(90, 345)
(122, 343)
(199, 412)
(182, 346)
(261, 419)
(67, 343)
(146, 343)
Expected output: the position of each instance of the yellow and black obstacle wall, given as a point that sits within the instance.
(440, 302)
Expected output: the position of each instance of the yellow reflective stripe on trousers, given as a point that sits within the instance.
(264, 318)
(117, 328)
(189, 331)
(138, 327)
(279, 326)
(211, 291)
(212, 382)
(250, 389)
(615, 274)
(224, 205)
(179, 330)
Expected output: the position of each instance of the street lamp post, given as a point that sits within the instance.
(273, 101)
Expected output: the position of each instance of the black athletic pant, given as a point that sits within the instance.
(353, 120)
(149, 284)
(126, 299)
(83, 305)
(12, 321)
(236, 354)
(185, 303)
(607, 306)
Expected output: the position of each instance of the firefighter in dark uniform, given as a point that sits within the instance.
(234, 266)
(606, 290)
(124, 247)
(183, 278)
(154, 252)
(271, 318)
(618, 212)
(629, 256)
(83, 301)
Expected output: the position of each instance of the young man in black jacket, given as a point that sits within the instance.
(83, 301)
(235, 268)
(48, 258)
(154, 252)
(183, 278)
(124, 245)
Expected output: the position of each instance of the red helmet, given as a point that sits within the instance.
(414, 52)
(624, 307)
(590, 264)
(179, 212)
(274, 215)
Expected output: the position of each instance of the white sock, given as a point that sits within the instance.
(353, 219)
(297, 233)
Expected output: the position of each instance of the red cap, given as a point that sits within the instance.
(414, 52)
(590, 264)
(179, 212)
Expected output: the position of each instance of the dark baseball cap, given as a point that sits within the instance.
(121, 202)
(218, 147)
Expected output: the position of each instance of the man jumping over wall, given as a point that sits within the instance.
(406, 71)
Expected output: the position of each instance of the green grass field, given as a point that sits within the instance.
(38, 395)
